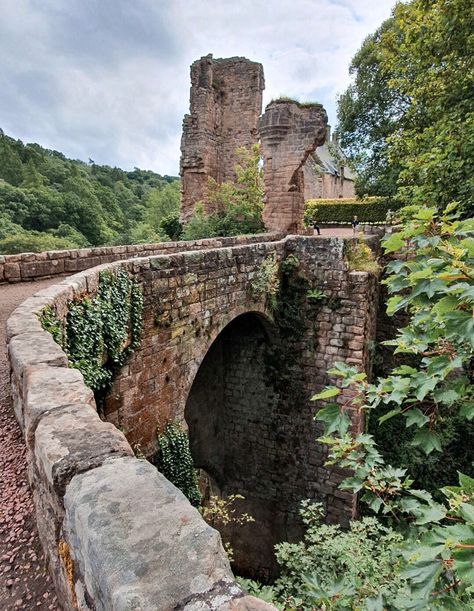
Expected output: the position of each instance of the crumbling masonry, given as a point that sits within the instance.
(226, 102)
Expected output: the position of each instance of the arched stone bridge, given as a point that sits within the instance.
(214, 355)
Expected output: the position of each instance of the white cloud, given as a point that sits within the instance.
(109, 79)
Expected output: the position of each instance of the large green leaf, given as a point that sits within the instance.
(427, 441)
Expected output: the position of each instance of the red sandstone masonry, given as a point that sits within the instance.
(198, 292)
(33, 266)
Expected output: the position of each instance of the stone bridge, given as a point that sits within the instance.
(216, 357)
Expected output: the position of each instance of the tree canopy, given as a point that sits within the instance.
(49, 202)
(407, 120)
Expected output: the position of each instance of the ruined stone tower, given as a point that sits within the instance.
(289, 132)
(225, 105)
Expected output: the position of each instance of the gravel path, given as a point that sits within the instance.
(24, 581)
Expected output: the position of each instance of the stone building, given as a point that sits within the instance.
(325, 177)
(225, 105)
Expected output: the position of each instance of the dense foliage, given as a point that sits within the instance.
(50, 202)
(100, 332)
(237, 206)
(174, 460)
(433, 280)
(355, 566)
(367, 210)
(407, 121)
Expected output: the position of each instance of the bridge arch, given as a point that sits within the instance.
(232, 417)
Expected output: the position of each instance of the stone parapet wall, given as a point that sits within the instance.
(116, 533)
(33, 266)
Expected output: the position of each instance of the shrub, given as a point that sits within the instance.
(172, 226)
(369, 210)
(237, 207)
(360, 258)
(333, 568)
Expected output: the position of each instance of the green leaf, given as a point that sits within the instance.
(427, 441)
(467, 410)
(393, 243)
(330, 391)
(466, 483)
(467, 512)
(415, 416)
(334, 418)
(390, 414)
(430, 513)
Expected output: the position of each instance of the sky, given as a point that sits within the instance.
(109, 79)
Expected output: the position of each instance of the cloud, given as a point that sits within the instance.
(109, 79)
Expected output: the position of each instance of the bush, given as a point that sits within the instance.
(238, 207)
(172, 226)
(351, 568)
(369, 210)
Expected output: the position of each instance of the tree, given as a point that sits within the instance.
(237, 206)
(368, 113)
(406, 122)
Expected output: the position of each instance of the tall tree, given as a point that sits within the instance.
(406, 122)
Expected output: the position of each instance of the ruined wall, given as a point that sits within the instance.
(225, 103)
(289, 133)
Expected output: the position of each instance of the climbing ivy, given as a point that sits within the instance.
(175, 462)
(50, 323)
(100, 332)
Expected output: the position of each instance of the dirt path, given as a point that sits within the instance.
(24, 581)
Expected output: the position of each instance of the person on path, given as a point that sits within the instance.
(355, 224)
(316, 226)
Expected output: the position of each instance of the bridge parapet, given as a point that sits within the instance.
(110, 523)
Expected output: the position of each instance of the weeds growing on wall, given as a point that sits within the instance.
(266, 282)
(100, 332)
(359, 257)
(221, 511)
(175, 462)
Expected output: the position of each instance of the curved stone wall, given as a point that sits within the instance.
(117, 534)
(33, 266)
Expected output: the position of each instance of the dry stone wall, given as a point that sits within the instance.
(117, 534)
(225, 103)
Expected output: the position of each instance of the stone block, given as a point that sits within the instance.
(30, 349)
(46, 388)
(71, 440)
(136, 542)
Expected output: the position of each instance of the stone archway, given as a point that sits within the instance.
(231, 413)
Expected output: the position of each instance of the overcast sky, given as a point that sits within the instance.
(109, 79)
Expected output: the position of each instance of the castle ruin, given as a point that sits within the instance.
(225, 105)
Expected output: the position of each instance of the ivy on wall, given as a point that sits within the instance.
(175, 462)
(100, 332)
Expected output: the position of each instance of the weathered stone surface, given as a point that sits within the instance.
(46, 388)
(34, 348)
(24, 319)
(73, 439)
(226, 101)
(121, 543)
(289, 133)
